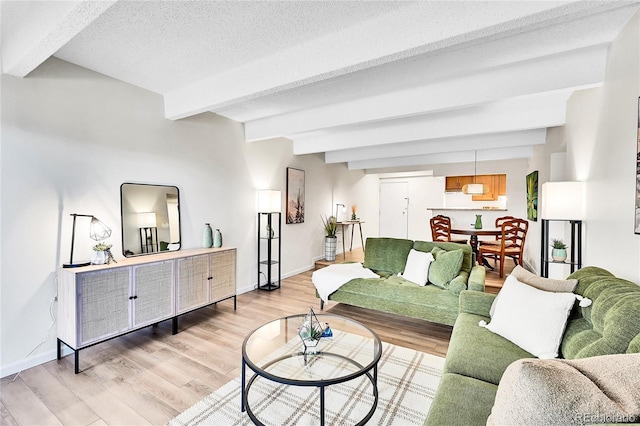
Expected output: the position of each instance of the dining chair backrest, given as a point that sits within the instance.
(500, 221)
(513, 235)
(440, 228)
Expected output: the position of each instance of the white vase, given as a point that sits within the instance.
(99, 257)
(330, 244)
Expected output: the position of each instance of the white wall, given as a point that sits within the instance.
(71, 137)
(600, 139)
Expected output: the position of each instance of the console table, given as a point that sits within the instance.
(353, 224)
(100, 302)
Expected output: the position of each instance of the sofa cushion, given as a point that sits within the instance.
(467, 260)
(446, 266)
(546, 284)
(610, 324)
(461, 400)
(604, 389)
(532, 319)
(386, 255)
(476, 352)
(399, 296)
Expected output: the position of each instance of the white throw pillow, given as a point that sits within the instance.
(532, 319)
(417, 267)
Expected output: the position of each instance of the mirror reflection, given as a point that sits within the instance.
(150, 218)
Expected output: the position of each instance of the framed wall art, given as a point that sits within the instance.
(295, 196)
(532, 196)
(637, 221)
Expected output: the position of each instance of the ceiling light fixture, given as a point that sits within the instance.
(475, 188)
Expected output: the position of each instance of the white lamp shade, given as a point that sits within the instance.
(563, 200)
(268, 201)
(98, 231)
(473, 189)
(147, 220)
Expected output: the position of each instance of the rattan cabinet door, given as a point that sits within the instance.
(193, 282)
(223, 275)
(152, 292)
(103, 304)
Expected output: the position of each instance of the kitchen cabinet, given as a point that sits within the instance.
(502, 184)
(491, 185)
(496, 184)
(455, 183)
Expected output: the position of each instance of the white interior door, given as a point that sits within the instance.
(394, 203)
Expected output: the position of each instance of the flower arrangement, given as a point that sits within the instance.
(102, 247)
(353, 212)
(558, 244)
(104, 256)
(330, 226)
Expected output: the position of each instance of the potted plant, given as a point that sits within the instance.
(330, 239)
(559, 252)
(101, 254)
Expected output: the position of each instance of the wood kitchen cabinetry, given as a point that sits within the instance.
(99, 302)
(497, 185)
(455, 183)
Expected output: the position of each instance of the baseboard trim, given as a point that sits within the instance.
(24, 364)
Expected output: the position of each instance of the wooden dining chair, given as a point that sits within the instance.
(512, 237)
(499, 221)
(441, 229)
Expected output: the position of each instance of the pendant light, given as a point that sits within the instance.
(475, 188)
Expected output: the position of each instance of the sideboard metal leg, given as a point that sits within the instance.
(174, 325)
(76, 360)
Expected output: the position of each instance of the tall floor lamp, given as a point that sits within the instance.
(98, 231)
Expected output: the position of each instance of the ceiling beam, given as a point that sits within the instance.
(43, 29)
(578, 69)
(438, 146)
(399, 34)
(533, 112)
(443, 158)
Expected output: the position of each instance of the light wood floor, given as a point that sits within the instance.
(150, 376)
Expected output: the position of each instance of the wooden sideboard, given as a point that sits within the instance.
(99, 302)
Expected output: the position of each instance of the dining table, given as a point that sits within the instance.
(474, 234)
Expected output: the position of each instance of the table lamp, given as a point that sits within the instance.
(98, 231)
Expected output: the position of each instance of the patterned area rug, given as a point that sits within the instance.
(407, 381)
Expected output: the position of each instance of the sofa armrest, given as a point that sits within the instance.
(476, 278)
(475, 302)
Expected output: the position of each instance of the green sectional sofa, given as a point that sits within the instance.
(477, 358)
(393, 294)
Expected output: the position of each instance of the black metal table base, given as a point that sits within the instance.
(321, 385)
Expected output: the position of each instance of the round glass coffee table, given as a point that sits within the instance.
(275, 352)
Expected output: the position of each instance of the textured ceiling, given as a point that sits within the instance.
(379, 85)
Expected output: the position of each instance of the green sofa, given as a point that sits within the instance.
(477, 358)
(390, 293)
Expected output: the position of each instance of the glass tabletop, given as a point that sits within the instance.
(275, 351)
